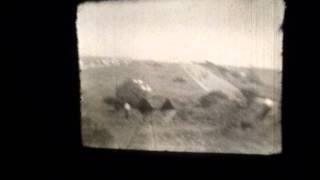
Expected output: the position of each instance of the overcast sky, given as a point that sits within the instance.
(229, 32)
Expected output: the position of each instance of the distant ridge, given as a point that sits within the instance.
(87, 61)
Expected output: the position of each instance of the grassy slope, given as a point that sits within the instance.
(268, 86)
(98, 83)
(99, 121)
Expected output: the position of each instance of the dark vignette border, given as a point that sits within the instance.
(47, 90)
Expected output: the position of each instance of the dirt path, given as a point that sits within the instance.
(154, 126)
(144, 135)
(137, 128)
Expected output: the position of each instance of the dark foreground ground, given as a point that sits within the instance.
(221, 128)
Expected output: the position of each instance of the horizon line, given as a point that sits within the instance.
(179, 61)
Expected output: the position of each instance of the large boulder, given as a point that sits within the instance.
(132, 91)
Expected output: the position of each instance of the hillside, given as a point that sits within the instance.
(219, 128)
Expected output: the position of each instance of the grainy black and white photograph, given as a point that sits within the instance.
(181, 75)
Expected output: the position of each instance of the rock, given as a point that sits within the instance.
(130, 92)
(167, 105)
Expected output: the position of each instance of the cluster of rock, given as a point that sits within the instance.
(137, 94)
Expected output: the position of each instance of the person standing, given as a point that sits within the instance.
(127, 109)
